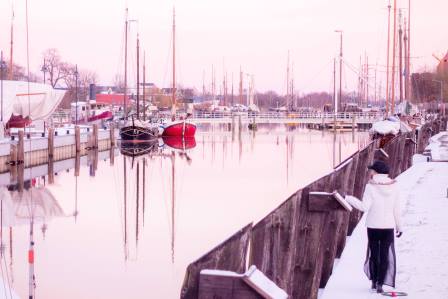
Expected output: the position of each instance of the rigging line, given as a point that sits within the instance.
(318, 73)
(4, 286)
(354, 70)
(7, 277)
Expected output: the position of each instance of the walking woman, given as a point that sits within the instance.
(381, 202)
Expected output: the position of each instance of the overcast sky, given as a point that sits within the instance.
(255, 34)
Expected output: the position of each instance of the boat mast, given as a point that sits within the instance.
(125, 65)
(144, 86)
(138, 77)
(400, 53)
(406, 70)
(393, 57)
(241, 86)
(173, 109)
(408, 60)
(10, 75)
(340, 76)
(387, 63)
(232, 91)
(292, 86)
(367, 81)
(287, 83)
(1, 87)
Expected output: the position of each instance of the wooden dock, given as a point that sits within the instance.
(297, 244)
(55, 150)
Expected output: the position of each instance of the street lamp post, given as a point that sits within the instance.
(340, 72)
(76, 93)
(441, 93)
(44, 69)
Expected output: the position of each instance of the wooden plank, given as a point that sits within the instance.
(354, 215)
(229, 255)
(273, 242)
(307, 259)
(341, 183)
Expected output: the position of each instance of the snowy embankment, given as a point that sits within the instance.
(422, 251)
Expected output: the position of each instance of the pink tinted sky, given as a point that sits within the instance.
(254, 34)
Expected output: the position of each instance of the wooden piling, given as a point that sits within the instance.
(21, 149)
(13, 162)
(95, 136)
(273, 242)
(50, 143)
(112, 155)
(77, 164)
(51, 170)
(21, 177)
(77, 140)
(112, 134)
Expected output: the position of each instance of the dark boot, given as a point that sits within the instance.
(379, 288)
(373, 285)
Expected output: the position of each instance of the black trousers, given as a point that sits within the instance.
(381, 245)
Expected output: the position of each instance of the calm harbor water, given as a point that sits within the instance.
(130, 230)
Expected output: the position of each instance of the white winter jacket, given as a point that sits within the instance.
(381, 202)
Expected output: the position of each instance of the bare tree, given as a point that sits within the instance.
(57, 69)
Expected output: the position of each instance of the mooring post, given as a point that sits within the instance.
(77, 139)
(21, 149)
(112, 135)
(77, 164)
(111, 155)
(13, 162)
(20, 177)
(50, 171)
(95, 136)
(50, 143)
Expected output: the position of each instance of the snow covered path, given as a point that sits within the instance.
(422, 251)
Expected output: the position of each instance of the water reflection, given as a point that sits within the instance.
(139, 153)
(140, 219)
(25, 204)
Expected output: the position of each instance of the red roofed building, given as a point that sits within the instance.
(112, 99)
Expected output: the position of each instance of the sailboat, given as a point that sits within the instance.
(181, 127)
(135, 130)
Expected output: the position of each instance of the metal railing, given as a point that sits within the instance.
(63, 116)
(290, 115)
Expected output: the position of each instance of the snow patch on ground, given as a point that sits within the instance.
(422, 251)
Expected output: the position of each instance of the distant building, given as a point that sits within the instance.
(116, 99)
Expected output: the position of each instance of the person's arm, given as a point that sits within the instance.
(397, 211)
(363, 205)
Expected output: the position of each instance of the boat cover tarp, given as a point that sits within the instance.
(39, 102)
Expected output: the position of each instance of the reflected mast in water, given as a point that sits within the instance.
(125, 212)
(173, 202)
(137, 203)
